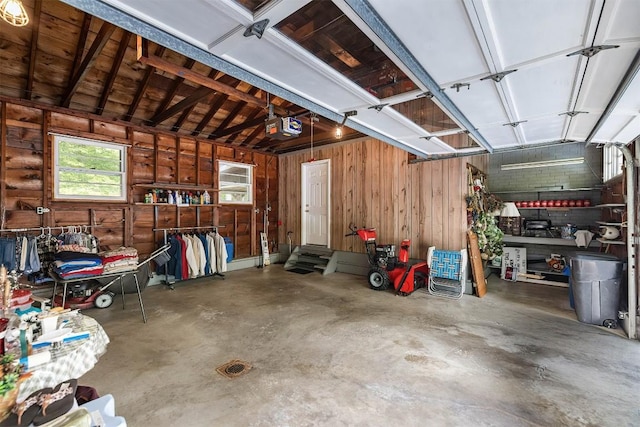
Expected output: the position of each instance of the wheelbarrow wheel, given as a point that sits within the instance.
(379, 279)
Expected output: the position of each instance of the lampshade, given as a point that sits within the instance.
(510, 210)
(13, 12)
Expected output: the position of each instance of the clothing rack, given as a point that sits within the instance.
(165, 242)
(207, 227)
(72, 228)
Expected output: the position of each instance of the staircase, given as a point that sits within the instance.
(311, 258)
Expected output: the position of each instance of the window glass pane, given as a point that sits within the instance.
(89, 170)
(235, 183)
(84, 156)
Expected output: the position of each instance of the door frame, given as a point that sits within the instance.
(303, 214)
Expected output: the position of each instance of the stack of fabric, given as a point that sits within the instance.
(117, 260)
(74, 265)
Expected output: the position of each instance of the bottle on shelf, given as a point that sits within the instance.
(207, 198)
(199, 198)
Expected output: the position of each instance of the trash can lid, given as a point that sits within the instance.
(593, 256)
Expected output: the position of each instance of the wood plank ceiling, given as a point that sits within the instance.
(70, 59)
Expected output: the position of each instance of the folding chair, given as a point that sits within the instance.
(447, 276)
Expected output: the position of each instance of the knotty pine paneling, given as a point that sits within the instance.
(373, 185)
(156, 157)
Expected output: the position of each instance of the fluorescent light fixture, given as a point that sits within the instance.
(543, 164)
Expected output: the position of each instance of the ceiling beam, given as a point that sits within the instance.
(232, 114)
(185, 114)
(171, 92)
(34, 48)
(94, 51)
(242, 126)
(197, 96)
(194, 77)
(253, 136)
(117, 61)
(142, 87)
(82, 41)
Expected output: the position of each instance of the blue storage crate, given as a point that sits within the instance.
(229, 246)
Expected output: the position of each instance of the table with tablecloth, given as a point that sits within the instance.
(68, 360)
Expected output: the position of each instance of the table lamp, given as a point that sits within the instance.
(512, 215)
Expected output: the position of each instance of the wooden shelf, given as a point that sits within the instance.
(611, 242)
(177, 206)
(550, 241)
(612, 205)
(563, 190)
(563, 208)
(616, 224)
(166, 186)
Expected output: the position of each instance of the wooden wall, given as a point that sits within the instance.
(154, 158)
(374, 185)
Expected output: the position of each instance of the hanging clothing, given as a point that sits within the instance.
(213, 265)
(200, 254)
(205, 247)
(32, 260)
(8, 253)
(221, 253)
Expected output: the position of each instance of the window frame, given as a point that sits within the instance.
(57, 169)
(249, 185)
(612, 160)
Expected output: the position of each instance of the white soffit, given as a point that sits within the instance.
(529, 30)
(546, 129)
(604, 73)
(446, 48)
(199, 23)
(543, 89)
(294, 69)
(480, 103)
(582, 124)
(500, 136)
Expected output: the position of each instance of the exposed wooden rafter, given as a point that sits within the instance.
(82, 41)
(142, 87)
(253, 136)
(94, 51)
(171, 92)
(187, 111)
(232, 114)
(161, 64)
(198, 95)
(34, 48)
(240, 127)
(117, 61)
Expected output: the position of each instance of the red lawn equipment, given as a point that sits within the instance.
(387, 268)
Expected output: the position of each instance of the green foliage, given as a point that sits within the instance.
(89, 170)
(11, 372)
(489, 236)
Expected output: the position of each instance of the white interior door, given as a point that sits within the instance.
(315, 203)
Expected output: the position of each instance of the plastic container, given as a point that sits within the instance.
(595, 282)
(229, 246)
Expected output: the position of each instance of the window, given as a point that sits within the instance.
(235, 182)
(611, 162)
(89, 170)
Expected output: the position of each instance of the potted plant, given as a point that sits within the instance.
(12, 374)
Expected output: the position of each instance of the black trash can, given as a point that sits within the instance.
(595, 280)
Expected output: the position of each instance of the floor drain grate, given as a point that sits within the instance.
(233, 369)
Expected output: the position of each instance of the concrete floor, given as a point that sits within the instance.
(327, 350)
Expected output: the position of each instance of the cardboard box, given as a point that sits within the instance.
(514, 261)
